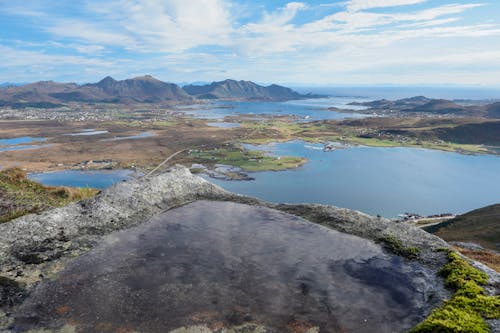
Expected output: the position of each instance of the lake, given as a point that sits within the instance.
(385, 181)
(20, 140)
(21, 143)
(99, 179)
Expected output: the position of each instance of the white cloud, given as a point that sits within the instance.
(203, 38)
(153, 25)
(356, 5)
(285, 14)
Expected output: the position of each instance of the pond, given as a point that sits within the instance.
(88, 132)
(20, 140)
(223, 124)
(141, 135)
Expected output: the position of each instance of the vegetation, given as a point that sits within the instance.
(469, 306)
(248, 160)
(479, 226)
(388, 132)
(489, 258)
(396, 246)
(20, 196)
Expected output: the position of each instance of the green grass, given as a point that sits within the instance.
(467, 310)
(247, 160)
(20, 196)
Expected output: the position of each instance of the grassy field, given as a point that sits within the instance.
(20, 196)
(246, 159)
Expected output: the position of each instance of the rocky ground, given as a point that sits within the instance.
(34, 248)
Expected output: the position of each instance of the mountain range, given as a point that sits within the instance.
(421, 104)
(143, 89)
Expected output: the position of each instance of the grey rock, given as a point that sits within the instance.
(468, 245)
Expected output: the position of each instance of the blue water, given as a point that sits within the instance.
(95, 179)
(310, 110)
(20, 140)
(224, 125)
(385, 181)
(22, 147)
(131, 137)
(397, 92)
(87, 133)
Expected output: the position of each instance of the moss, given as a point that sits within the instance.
(458, 272)
(396, 246)
(467, 310)
(450, 319)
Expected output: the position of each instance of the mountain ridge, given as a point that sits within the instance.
(140, 89)
(233, 89)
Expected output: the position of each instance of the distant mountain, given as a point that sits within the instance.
(436, 106)
(246, 90)
(412, 104)
(10, 84)
(481, 226)
(144, 89)
(421, 104)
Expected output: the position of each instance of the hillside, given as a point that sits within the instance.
(493, 110)
(481, 226)
(487, 133)
(247, 90)
(20, 196)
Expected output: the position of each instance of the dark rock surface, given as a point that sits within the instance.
(230, 264)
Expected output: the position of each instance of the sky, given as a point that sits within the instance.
(347, 42)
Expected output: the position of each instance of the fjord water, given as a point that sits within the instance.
(385, 181)
(222, 264)
(310, 109)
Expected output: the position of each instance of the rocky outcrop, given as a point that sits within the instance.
(35, 247)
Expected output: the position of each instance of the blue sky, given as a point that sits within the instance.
(311, 42)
